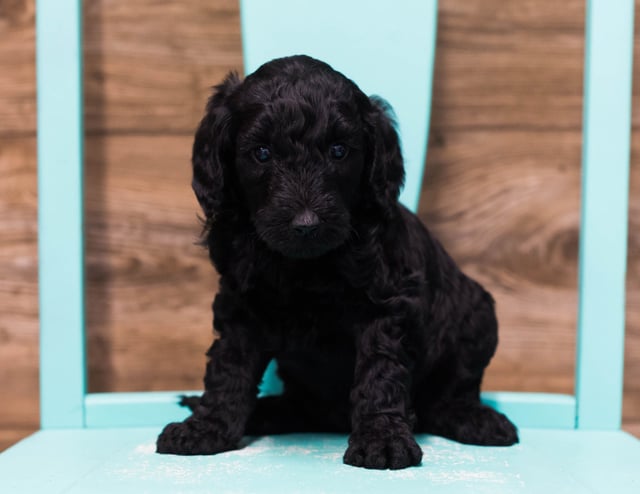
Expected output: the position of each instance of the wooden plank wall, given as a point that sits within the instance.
(501, 188)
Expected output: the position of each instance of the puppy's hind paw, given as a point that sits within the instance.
(501, 431)
(473, 424)
(382, 450)
(489, 428)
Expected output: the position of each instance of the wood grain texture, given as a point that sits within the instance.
(631, 407)
(18, 283)
(149, 64)
(17, 67)
(150, 287)
(488, 199)
(18, 219)
(509, 65)
(502, 182)
(501, 189)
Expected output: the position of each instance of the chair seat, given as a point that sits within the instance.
(124, 461)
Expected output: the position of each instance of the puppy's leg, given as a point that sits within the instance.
(458, 414)
(455, 410)
(231, 382)
(381, 430)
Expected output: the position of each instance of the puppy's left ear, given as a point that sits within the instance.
(213, 151)
(385, 166)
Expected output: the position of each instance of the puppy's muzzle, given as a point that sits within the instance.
(305, 223)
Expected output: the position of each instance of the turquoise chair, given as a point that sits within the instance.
(106, 442)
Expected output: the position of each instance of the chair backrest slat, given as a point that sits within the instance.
(60, 213)
(388, 49)
(603, 232)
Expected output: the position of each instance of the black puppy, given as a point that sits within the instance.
(375, 329)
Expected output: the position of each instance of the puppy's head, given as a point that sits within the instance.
(298, 150)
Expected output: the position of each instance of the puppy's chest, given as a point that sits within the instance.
(309, 306)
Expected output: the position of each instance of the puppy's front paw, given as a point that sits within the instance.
(191, 437)
(382, 450)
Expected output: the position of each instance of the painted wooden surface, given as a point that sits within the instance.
(501, 187)
(124, 461)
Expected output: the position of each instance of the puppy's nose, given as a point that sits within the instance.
(305, 223)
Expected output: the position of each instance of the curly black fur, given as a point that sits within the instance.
(375, 329)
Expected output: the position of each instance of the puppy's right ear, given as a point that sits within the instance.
(213, 150)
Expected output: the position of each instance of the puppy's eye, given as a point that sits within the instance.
(338, 151)
(262, 154)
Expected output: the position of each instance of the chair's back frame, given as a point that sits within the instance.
(60, 213)
(603, 232)
(598, 401)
